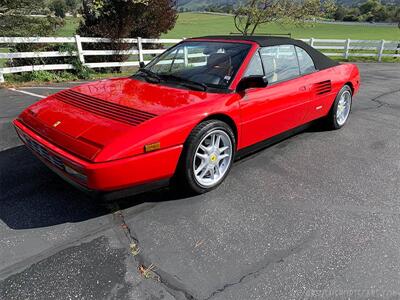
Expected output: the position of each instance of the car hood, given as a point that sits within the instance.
(152, 98)
(87, 119)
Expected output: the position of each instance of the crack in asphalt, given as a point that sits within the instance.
(29, 261)
(380, 102)
(277, 257)
(173, 286)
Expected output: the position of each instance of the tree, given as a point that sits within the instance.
(381, 14)
(396, 16)
(16, 18)
(72, 6)
(340, 13)
(352, 15)
(116, 19)
(59, 7)
(252, 13)
(374, 10)
(370, 6)
(327, 9)
(127, 18)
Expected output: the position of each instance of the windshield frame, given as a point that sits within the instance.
(211, 88)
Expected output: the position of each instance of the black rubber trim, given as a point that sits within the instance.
(135, 190)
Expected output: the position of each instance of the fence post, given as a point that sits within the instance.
(312, 42)
(346, 49)
(79, 48)
(380, 50)
(140, 49)
(186, 56)
(1, 78)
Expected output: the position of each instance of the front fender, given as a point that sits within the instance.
(170, 129)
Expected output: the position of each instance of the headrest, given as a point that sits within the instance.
(218, 60)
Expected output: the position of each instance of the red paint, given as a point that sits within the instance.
(111, 153)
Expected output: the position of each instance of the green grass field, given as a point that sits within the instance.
(197, 24)
(71, 24)
(192, 24)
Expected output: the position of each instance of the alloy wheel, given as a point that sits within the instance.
(212, 158)
(343, 108)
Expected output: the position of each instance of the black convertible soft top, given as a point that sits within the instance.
(321, 61)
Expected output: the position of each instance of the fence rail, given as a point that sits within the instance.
(332, 47)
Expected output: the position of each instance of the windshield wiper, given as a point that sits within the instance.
(150, 74)
(187, 82)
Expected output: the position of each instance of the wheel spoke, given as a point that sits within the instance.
(222, 149)
(217, 141)
(204, 148)
(212, 141)
(222, 156)
(217, 172)
(212, 173)
(203, 172)
(200, 168)
(203, 157)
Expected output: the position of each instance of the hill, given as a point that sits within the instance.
(203, 4)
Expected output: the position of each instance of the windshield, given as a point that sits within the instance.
(198, 65)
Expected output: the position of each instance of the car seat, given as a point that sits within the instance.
(219, 65)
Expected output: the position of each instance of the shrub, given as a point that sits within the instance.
(59, 7)
(117, 19)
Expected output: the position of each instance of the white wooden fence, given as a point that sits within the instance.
(137, 49)
(348, 47)
(341, 48)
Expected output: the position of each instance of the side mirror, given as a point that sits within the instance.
(252, 82)
(141, 65)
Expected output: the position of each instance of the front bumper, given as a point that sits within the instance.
(138, 171)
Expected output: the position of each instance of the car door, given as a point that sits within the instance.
(282, 105)
(320, 85)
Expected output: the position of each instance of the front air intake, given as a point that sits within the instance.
(104, 108)
(323, 87)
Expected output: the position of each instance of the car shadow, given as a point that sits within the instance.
(33, 196)
(319, 125)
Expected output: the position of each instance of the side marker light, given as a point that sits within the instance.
(152, 147)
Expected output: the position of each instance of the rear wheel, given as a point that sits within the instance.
(207, 157)
(341, 108)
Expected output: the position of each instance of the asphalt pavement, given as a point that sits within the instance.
(316, 216)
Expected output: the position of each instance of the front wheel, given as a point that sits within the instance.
(341, 108)
(207, 157)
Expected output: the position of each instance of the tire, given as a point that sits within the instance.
(199, 140)
(335, 119)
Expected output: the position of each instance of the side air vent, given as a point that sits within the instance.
(104, 108)
(323, 87)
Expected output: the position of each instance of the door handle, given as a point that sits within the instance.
(303, 88)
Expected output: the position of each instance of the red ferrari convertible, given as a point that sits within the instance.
(187, 114)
